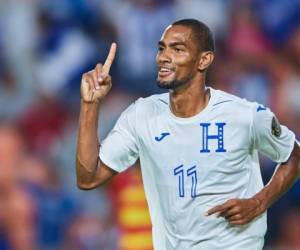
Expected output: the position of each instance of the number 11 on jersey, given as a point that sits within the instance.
(191, 173)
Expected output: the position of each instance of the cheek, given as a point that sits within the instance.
(182, 60)
(186, 62)
(185, 67)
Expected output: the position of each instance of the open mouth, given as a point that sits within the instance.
(164, 71)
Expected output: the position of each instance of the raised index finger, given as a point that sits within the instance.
(110, 58)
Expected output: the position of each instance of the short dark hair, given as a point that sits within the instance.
(201, 33)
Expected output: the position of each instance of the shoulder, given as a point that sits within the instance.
(144, 109)
(234, 103)
(238, 110)
(152, 104)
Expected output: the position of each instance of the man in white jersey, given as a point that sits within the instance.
(198, 149)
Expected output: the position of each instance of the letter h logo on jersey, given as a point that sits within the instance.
(206, 137)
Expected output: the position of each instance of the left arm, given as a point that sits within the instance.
(242, 211)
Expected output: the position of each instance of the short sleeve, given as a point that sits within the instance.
(119, 149)
(269, 136)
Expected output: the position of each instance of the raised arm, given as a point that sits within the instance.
(95, 85)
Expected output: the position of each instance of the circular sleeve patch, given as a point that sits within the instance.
(275, 128)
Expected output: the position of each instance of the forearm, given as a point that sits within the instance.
(87, 143)
(284, 177)
(95, 84)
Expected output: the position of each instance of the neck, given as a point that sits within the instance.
(190, 99)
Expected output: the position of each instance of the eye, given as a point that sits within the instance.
(160, 48)
(178, 50)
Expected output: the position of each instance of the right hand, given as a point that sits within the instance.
(96, 83)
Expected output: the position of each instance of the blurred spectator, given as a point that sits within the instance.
(289, 231)
(17, 225)
(245, 58)
(17, 50)
(17, 46)
(15, 96)
(44, 122)
(89, 232)
(245, 40)
(55, 207)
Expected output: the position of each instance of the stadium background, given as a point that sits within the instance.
(45, 46)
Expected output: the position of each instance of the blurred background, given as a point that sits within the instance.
(45, 46)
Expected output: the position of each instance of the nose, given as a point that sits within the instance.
(163, 57)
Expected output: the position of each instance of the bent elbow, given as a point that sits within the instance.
(85, 179)
(85, 186)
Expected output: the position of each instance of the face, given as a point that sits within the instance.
(177, 57)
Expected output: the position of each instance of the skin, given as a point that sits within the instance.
(16, 207)
(177, 51)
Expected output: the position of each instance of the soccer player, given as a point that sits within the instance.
(198, 148)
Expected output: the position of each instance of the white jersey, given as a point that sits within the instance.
(190, 165)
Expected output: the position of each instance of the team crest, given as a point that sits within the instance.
(276, 128)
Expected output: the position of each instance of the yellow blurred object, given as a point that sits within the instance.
(136, 241)
(132, 211)
(133, 194)
(132, 217)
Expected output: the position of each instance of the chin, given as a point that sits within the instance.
(164, 85)
(169, 84)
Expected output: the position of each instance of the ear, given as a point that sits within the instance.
(206, 58)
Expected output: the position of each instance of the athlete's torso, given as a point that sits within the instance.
(190, 165)
(198, 163)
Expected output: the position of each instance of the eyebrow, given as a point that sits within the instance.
(172, 44)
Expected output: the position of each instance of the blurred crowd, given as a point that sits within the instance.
(45, 46)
